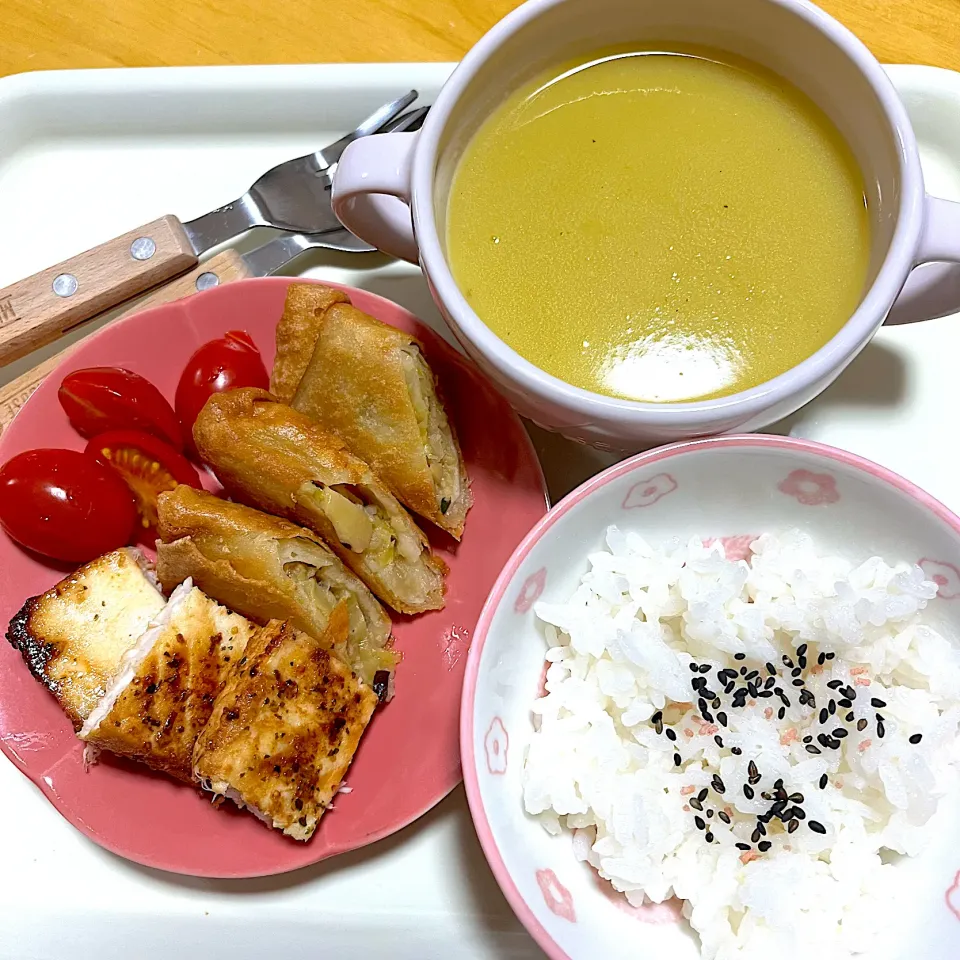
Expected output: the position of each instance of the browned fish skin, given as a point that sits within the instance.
(284, 729)
(74, 636)
(159, 715)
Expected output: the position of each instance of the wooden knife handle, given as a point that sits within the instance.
(38, 310)
(223, 268)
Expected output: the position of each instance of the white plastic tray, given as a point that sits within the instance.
(85, 155)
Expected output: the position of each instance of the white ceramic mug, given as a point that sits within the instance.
(791, 37)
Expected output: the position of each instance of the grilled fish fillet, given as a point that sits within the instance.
(272, 457)
(370, 384)
(75, 635)
(266, 569)
(163, 695)
(285, 728)
(303, 312)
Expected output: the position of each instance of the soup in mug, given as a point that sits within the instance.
(660, 226)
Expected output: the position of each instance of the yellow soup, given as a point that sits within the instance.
(660, 226)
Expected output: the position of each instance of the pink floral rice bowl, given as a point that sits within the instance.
(732, 488)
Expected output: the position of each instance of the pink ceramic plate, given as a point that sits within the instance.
(409, 758)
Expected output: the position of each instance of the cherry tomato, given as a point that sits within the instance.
(65, 505)
(147, 465)
(98, 399)
(232, 361)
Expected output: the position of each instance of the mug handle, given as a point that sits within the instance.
(933, 288)
(371, 180)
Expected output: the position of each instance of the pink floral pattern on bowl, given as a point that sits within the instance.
(735, 548)
(496, 745)
(945, 575)
(531, 590)
(556, 896)
(952, 896)
(809, 488)
(649, 491)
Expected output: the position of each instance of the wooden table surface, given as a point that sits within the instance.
(52, 34)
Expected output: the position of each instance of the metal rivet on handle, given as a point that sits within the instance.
(143, 248)
(207, 280)
(65, 285)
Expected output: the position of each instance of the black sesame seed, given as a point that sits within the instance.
(795, 672)
(823, 740)
(725, 817)
(707, 716)
(728, 689)
(817, 827)
(810, 748)
(700, 822)
(840, 733)
(808, 698)
(743, 671)
(707, 694)
(808, 739)
(705, 668)
(877, 702)
(778, 783)
(801, 650)
(753, 674)
(752, 770)
(748, 791)
(693, 668)
(717, 784)
(755, 836)
(736, 751)
(718, 740)
(744, 846)
(676, 760)
(846, 703)
(708, 836)
(769, 683)
(881, 730)
(722, 718)
(916, 738)
(831, 708)
(824, 714)
(834, 744)
(702, 704)
(781, 713)
(849, 693)
(796, 798)
(862, 724)
(802, 662)
(787, 661)
(798, 682)
(830, 656)
(778, 807)
(823, 782)
(739, 656)
(702, 795)
(849, 717)
(835, 684)
(709, 814)
(793, 824)
(771, 669)
(695, 803)
(761, 829)
(716, 703)
(764, 846)
(672, 735)
(821, 659)
(764, 694)
(798, 813)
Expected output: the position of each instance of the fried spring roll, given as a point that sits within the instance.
(272, 457)
(285, 729)
(270, 569)
(303, 312)
(370, 385)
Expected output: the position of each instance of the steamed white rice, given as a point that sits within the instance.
(621, 654)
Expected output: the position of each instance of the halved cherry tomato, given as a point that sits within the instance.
(98, 399)
(148, 466)
(65, 505)
(231, 361)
